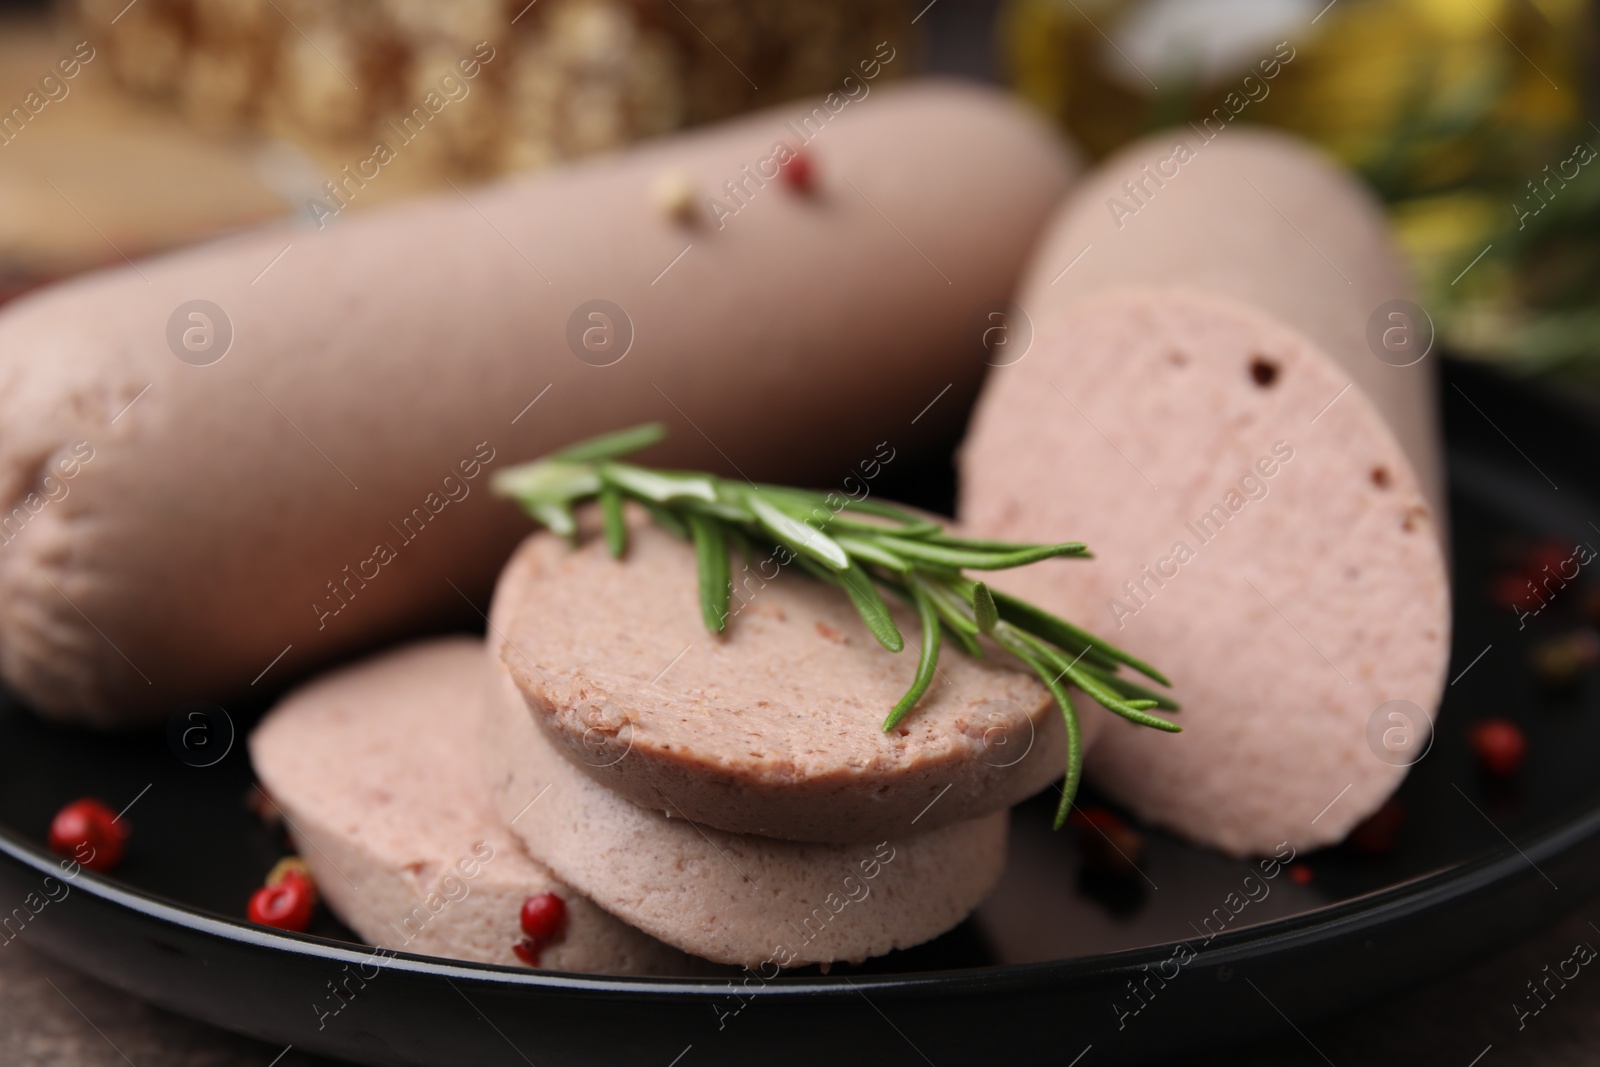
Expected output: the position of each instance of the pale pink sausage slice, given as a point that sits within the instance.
(1150, 415)
(322, 486)
(773, 727)
(377, 769)
(752, 901)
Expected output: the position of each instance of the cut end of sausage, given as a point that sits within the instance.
(1259, 535)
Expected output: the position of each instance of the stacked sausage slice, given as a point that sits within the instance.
(735, 795)
(614, 773)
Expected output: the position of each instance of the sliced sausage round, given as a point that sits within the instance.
(377, 770)
(1260, 489)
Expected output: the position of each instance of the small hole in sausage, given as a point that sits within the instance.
(1380, 477)
(1178, 358)
(1263, 371)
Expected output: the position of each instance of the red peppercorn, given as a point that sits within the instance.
(1097, 818)
(543, 916)
(1500, 745)
(1108, 844)
(1376, 834)
(292, 867)
(1513, 592)
(1551, 557)
(1300, 874)
(286, 904)
(90, 833)
(797, 172)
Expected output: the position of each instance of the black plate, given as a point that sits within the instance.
(1056, 962)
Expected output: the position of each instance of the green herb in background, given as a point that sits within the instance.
(1474, 121)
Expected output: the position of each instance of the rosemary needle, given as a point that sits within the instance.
(927, 660)
(864, 548)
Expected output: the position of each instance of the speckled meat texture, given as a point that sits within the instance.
(304, 496)
(1257, 486)
(775, 726)
(756, 902)
(378, 769)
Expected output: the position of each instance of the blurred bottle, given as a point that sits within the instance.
(1467, 116)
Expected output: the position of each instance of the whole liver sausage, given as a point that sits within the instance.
(773, 727)
(740, 899)
(319, 487)
(1201, 407)
(1265, 218)
(377, 767)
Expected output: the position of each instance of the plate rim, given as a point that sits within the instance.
(1371, 910)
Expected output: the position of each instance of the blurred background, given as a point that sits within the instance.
(130, 127)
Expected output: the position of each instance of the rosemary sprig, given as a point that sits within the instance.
(866, 548)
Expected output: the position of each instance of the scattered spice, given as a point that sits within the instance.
(1376, 834)
(1547, 558)
(1500, 746)
(1561, 661)
(287, 899)
(544, 916)
(1512, 591)
(1108, 844)
(674, 194)
(797, 172)
(259, 804)
(90, 833)
(289, 867)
